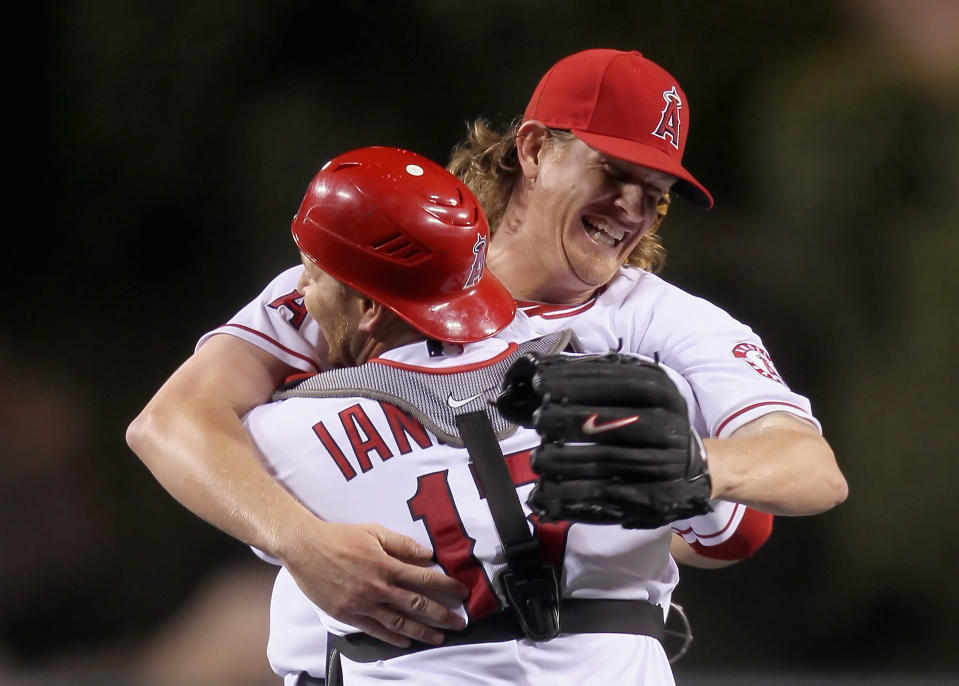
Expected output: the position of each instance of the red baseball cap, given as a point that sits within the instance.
(623, 105)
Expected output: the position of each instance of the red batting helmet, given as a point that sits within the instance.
(407, 233)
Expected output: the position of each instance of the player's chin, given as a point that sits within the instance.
(595, 271)
(595, 264)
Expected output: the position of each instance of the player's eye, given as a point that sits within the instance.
(615, 173)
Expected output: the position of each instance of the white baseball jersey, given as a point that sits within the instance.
(361, 460)
(724, 361)
(732, 377)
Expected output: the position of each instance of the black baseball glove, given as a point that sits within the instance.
(617, 446)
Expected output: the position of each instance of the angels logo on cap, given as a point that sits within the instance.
(612, 100)
(669, 122)
(476, 271)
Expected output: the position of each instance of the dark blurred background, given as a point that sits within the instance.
(157, 151)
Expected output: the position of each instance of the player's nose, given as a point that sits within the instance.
(631, 202)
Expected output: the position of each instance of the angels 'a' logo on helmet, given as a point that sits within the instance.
(479, 261)
(669, 122)
(758, 359)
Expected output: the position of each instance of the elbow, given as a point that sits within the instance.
(819, 483)
(833, 489)
(154, 437)
(141, 433)
(136, 435)
(834, 485)
(839, 489)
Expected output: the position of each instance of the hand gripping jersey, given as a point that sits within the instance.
(362, 459)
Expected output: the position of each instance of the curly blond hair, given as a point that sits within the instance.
(487, 162)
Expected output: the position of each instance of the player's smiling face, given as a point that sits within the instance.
(336, 308)
(589, 210)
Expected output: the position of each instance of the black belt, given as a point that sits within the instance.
(577, 616)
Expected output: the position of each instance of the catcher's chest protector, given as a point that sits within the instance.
(434, 398)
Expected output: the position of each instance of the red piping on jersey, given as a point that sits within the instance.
(276, 343)
(534, 309)
(449, 370)
(718, 533)
(298, 377)
(752, 533)
(731, 417)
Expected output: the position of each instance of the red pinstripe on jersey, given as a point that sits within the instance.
(737, 413)
(274, 342)
(547, 311)
(753, 531)
(732, 516)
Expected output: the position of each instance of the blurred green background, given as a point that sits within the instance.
(157, 152)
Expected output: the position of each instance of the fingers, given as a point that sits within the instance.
(402, 547)
(644, 465)
(403, 594)
(393, 628)
(411, 572)
(381, 608)
(381, 582)
(630, 426)
(615, 380)
(415, 597)
(431, 583)
(395, 615)
(376, 629)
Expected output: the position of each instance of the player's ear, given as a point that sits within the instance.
(529, 147)
(382, 324)
(378, 320)
(372, 314)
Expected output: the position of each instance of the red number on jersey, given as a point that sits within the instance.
(433, 504)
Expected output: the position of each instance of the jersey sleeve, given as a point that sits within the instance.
(732, 531)
(724, 361)
(277, 322)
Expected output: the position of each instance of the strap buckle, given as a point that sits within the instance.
(534, 599)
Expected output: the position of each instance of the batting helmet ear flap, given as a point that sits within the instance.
(404, 231)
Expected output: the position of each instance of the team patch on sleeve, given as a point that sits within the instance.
(758, 359)
(293, 304)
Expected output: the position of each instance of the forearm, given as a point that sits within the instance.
(778, 465)
(191, 437)
(202, 455)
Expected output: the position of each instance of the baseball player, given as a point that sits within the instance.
(390, 240)
(575, 191)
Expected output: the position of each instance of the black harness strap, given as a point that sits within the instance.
(579, 616)
(487, 457)
(531, 586)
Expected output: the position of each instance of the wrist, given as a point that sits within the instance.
(293, 526)
(712, 455)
